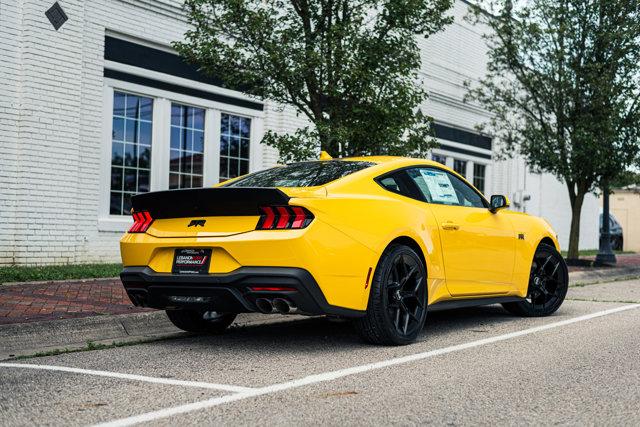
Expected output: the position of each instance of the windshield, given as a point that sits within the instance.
(303, 174)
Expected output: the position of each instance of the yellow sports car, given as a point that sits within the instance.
(381, 240)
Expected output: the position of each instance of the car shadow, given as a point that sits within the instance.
(320, 334)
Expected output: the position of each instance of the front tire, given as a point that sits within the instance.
(548, 285)
(397, 307)
(201, 322)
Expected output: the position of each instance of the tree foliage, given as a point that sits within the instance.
(349, 66)
(563, 84)
(625, 179)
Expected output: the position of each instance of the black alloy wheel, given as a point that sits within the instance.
(548, 284)
(398, 300)
(406, 294)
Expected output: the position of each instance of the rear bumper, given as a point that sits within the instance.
(229, 292)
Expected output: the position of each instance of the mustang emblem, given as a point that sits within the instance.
(197, 223)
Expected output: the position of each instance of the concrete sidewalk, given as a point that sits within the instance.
(27, 339)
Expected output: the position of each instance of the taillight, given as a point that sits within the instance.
(141, 222)
(283, 218)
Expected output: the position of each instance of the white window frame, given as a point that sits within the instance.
(466, 167)
(161, 134)
(471, 160)
(471, 168)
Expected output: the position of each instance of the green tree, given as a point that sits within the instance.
(349, 66)
(562, 84)
(625, 179)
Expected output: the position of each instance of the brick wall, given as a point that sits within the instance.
(51, 117)
(11, 72)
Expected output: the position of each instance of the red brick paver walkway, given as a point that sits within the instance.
(623, 260)
(32, 302)
(627, 260)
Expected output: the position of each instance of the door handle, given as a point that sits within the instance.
(450, 226)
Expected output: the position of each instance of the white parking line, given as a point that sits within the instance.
(333, 375)
(166, 381)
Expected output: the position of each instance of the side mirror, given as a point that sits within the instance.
(498, 202)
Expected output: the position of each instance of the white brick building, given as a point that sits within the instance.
(72, 149)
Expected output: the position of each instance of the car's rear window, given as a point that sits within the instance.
(303, 174)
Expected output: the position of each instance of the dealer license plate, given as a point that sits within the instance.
(191, 261)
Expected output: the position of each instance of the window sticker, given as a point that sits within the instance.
(439, 186)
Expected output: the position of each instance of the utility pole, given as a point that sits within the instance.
(605, 254)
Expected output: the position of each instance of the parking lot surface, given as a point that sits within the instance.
(473, 366)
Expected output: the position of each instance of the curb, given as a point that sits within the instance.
(27, 339)
(592, 277)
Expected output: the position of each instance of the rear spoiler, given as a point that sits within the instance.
(223, 201)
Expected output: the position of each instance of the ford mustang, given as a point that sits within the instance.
(379, 240)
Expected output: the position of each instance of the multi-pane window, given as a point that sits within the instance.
(439, 158)
(179, 145)
(479, 176)
(130, 149)
(460, 166)
(235, 133)
(186, 146)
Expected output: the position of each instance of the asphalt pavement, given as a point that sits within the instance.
(469, 367)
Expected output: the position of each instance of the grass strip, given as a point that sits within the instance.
(58, 272)
(593, 252)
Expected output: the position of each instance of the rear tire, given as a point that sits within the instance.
(548, 285)
(397, 306)
(199, 321)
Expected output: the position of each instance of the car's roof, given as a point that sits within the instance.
(389, 163)
(390, 160)
(383, 164)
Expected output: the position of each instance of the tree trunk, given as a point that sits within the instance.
(574, 234)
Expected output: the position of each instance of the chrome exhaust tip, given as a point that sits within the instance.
(283, 306)
(264, 305)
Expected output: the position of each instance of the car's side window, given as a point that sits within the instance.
(391, 183)
(441, 187)
(398, 182)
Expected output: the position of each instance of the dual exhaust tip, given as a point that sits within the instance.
(277, 305)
